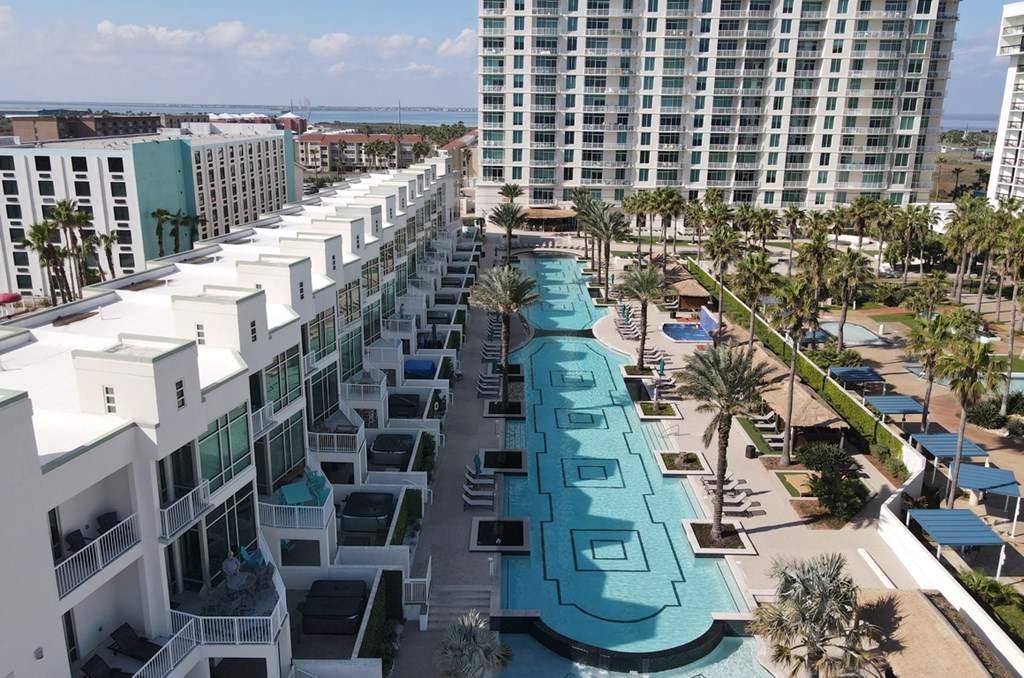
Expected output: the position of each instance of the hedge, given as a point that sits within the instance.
(841, 401)
(411, 510)
(454, 340)
(380, 637)
(424, 451)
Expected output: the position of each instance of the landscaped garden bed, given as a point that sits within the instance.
(648, 409)
(504, 535)
(632, 371)
(987, 657)
(514, 409)
(734, 540)
(692, 463)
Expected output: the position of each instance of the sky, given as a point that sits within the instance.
(340, 52)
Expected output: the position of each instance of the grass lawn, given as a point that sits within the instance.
(784, 244)
(1012, 617)
(755, 437)
(909, 320)
(870, 306)
(1018, 363)
(632, 371)
(661, 410)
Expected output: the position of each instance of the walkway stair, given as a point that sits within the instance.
(448, 603)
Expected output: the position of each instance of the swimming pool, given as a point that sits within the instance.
(565, 302)
(685, 332)
(613, 568)
(853, 334)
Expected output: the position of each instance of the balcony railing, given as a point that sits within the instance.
(302, 517)
(184, 510)
(262, 419)
(173, 652)
(336, 442)
(363, 391)
(308, 363)
(99, 553)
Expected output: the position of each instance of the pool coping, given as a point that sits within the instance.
(706, 552)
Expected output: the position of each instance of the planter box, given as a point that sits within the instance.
(657, 417)
(651, 374)
(491, 405)
(705, 470)
(514, 537)
(704, 552)
(510, 462)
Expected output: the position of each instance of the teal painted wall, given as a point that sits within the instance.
(163, 178)
(289, 166)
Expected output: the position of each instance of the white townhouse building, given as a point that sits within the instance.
(272, 392)
(1007, 178)
(772, 102)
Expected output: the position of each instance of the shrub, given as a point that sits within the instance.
(838, 494)
(824, 457)
(1015, 403)
(1015, 427)
(827, 356)
(986, 415)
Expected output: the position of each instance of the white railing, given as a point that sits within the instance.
(99, 553)
(363, 392)
(399, 325)
(308, 363)
(184, 510)
(262, 419)
(336, 442)
(417, 591)
(382, 355)
(302, 517)
(174, 651)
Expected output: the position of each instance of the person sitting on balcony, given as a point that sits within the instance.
(231, 566)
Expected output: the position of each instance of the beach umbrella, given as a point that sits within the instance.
(476, 463)
(661, 367)
(627, 312)
(613, 278)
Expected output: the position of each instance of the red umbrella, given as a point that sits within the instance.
(10, 298)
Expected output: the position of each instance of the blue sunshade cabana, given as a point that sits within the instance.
(943, 446)
(990, 479)
(895, 404)
(957, 527)
(857, 375)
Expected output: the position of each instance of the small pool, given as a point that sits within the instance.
(685, 332)
(853, 334)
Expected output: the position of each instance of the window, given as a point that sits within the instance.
(10, 187)
(42, 163)
(118, 189)
(115, 165)
(109, 402)
(302, 290)
(126, 260)
(224, 447)
(6, 163)
(14, 212)
(78, 164)
(82, 189)
(45, 187)
(200, 334)
(252, 331)
(179, 393)
(282, 453)
(121, 213)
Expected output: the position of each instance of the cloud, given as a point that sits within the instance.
(462, 45)
(331, 44)
(428, 70)
(394, 45)
(385, 46)
(161, 35)
(264, 45)
(226, 34)
(338, 68)
(6, 19)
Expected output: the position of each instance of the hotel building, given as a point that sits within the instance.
(773, 102)
(1007, 178)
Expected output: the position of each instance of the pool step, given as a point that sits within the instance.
(448, 603)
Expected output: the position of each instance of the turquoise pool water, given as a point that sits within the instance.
(610, 566)
(566, 303)
(853, 334)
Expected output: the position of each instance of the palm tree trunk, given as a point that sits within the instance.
(920, 263)
(1009, 356)
(506, 322)
(961, 273)
(753, 323)
(842, 323)
(999, 297)
(643, 336)
(981, 284)
(951, 497)
(675, 237)
(860, 238)
(787, 434)
(878, 262)
(508, 247)
(720, 468)
(49, 284)
(721, 303)
(639, 235)
(594, 261)
(906, 262)
(650, 240)
(607, 267)
(110, 263)
(665, 221)
(789, 268)
(925, 420)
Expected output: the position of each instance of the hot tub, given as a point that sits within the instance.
(392, 449)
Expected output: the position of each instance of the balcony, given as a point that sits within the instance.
(315, 517)
(366, 387)
(184, 510)
(96, 555)
(262, 419)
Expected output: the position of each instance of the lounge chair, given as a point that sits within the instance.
(96, 667)
(478, 494)
(253, 560)
(735, 499)
(131, 644)
(488, 392)
(474, 479)
(106, 522)
(713, 480)
(764, 419)
(728, 488)
(76, 541)
(469, 502)
(742, 509)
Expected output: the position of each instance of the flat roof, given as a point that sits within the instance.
(895, 404)
(987, 479)
(943, 445)
(856, 375)
(956, 527)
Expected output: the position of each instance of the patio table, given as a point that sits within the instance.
(296, 494)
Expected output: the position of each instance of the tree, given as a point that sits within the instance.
(668, 204)
(645, 285)
(607, 226)
(1014, 258)
(957, 171)
(420, 150)
(969, 367)
(792, 219)
(177, 221)
(634, 205)
(927, 341)
(107, 241)
(71, 221)
(883, 225)
(815, 625)
(935, 286)
(795, 310)
(505, 291)
(508, 216)
(470, 649)
(511, 191)
(726, 383)
(40, 239)
(766, 226)
(845, 273)
(984, 240)
(755, 278)
(585, 205)
(743, 219)
(695, 217)
(723, 247)
(814, 260)
(861, 213)
(162, 216)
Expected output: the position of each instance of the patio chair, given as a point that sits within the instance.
(316, 483)
(253, 560)
(469, 502)
(742, 509)
(488, 392)
(713, 480)
(131, 644)
(96, 667)
(265, 579)
(76, 541)
(106, 522)
(764, 419)
(474, 479)
(478, 493)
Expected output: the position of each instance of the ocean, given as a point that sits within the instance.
(368, 115)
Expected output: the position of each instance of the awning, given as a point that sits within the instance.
(809, 411)
(957, 527)
(856, 375)
(684, 284)
(539, 213)
(943, 445)
(895, 404)
(993, 480)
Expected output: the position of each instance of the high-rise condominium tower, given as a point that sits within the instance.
(774, 102)
(1007, 178)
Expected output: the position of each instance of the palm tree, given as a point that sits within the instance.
(743, 219)
(1014, 258)
(766, 226)
(90, 250)
(108, 241)
(607, 226)
(929, 219)
(957, 171)
(815, 624)
(162, 216)
(969, 367)
(40, 239)
(71, 221)
(506, 291)
(792, 219)
(420, 149)
(668, 204)
(755, 277)
(634, 205)
(511, 191)
(470, 649)
(508, 216)
(861, 213)
(723, 247)
(814, 259)
(845, 273)
(837, 219)
(795, 311)
(645, 285)
(935, 286)
(927, 341)
(984, 240)
(882, 225)
(727, 384)
(696, 219)
(177, 221)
